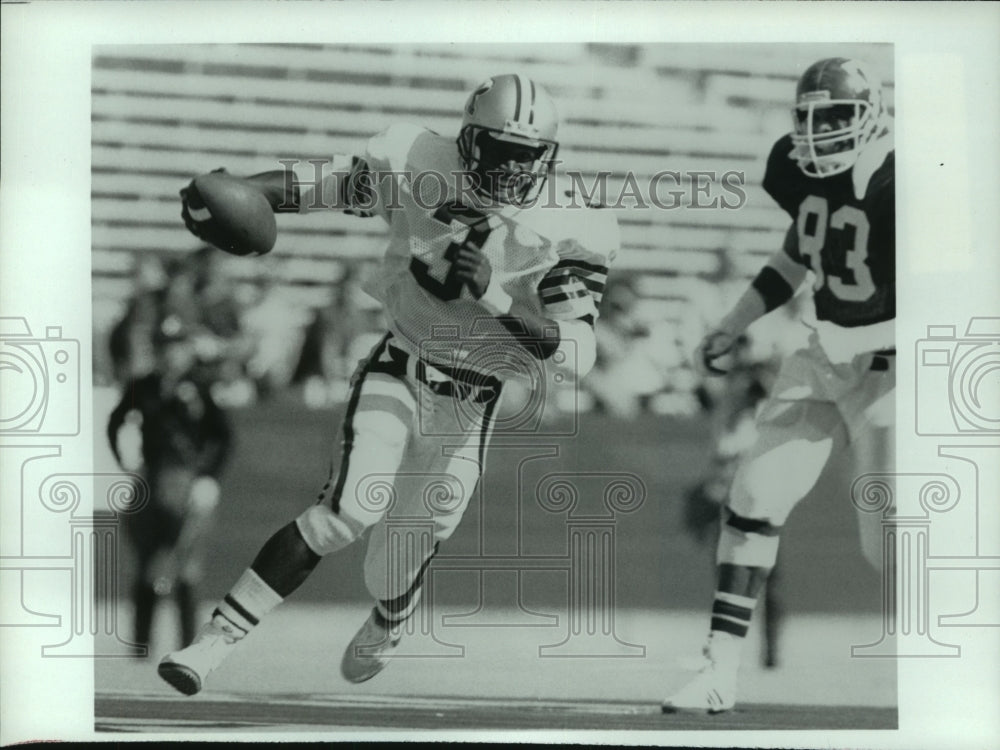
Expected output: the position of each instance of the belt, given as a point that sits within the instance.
(460, 384)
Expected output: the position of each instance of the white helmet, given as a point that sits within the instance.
(508, 138)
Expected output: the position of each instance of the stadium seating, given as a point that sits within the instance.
(161, 114)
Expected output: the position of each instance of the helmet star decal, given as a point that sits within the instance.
(470, 108)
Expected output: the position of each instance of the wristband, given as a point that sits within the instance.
(773, 288)
(496, 300)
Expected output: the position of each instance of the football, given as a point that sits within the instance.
(242, 222)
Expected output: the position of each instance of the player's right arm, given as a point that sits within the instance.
(343, 184)
(773, 286)
(778, 279)
(349, 183)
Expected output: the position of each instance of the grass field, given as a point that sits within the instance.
(283, 453)
(286, 679)
(493, 675)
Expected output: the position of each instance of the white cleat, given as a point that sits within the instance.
(366, 654)
(186, 670)
(712, 690)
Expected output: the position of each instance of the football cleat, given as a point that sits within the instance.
(712, 690)
(186, 670)
(838, 111)
(367, 653)
(508, 138)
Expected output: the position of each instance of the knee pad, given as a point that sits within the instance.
(761, 489)
(324, 531)
(746, 541)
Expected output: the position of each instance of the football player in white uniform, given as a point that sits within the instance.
(483, 278)
(834, 176)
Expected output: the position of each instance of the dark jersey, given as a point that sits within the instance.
(849, 243)
(182, 426)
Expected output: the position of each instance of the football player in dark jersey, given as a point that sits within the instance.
(834, 176)
(186, 440)
(730, 409)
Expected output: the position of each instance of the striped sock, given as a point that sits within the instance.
(731, 613)
(395, 611)
(244, 606)
(730, 622)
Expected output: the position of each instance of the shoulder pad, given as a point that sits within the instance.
(782, 174)
(390, 149)
(875, 167)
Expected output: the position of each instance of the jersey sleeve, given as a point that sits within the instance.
(574, 286)
(359, 184)
(781, 176)
(322, 183)
(375, 182)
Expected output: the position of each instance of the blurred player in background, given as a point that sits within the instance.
(731, 404)
(130, 343)
(632, 355)
(339, 334)
(834, 176)
(185, 441)
(194, 291)
(474, 255)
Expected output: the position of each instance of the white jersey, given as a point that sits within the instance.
(552, 258)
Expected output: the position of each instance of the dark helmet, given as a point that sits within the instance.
(838, 106)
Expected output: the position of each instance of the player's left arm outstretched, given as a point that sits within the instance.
(773, 286)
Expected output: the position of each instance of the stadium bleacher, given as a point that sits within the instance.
(161, 114)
